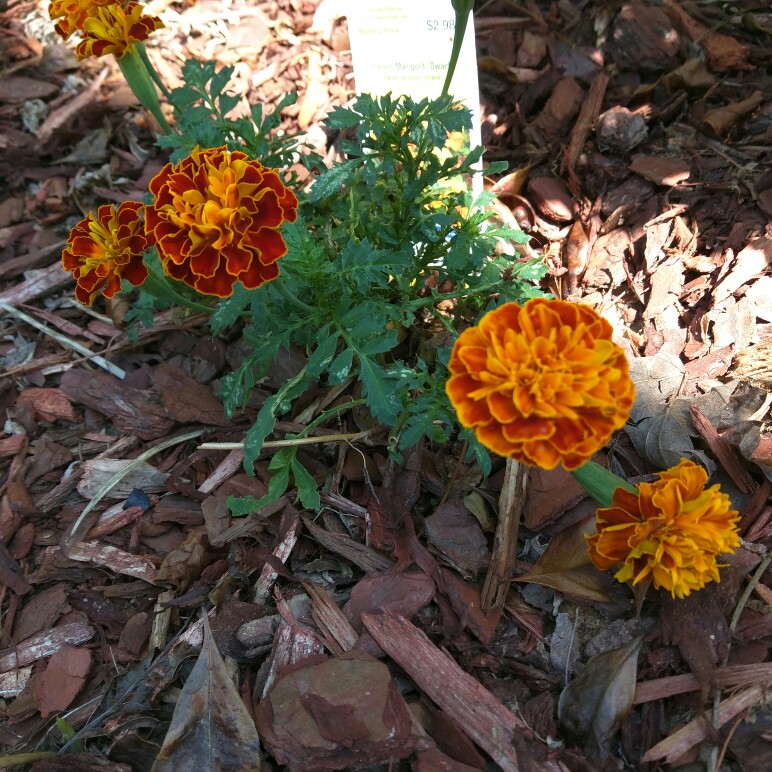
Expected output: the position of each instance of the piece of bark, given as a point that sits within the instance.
(44, 645)
(186, 400)
(132, 411)
(696, 731)
(511, 504)
(722, 450)
(282, 551)
(474, 709)
(551, 198)
(368, 559)
(588, 114)
(116, 560)
(660, 171)
(331, 620)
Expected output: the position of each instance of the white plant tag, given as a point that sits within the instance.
(403, 47)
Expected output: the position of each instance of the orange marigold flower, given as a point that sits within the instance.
(216, 220)
(71, 14)
(104, 249)
(542, 383)
(113, 29)
(669, 533)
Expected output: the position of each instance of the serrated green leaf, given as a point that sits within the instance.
(340, 367)
(329, 182)
(323, 354)
(226, 102)
(255, 437)
(308, 492)
(229, 309)
(220, 81)
(384, 404)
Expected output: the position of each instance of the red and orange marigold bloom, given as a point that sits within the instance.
(669, 533)
(542, 383)
(104, 249)
(72, 13)
(216, 219)
(114, 29)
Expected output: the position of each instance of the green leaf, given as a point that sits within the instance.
(382, 400)
(341, 366)
(329, 182)
(323, 354)
(308, 492)
(496, 167)
(255, 437)
(220, 81)
(226, 102)
(229, 310)
(277, 487)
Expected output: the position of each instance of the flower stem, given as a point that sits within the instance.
(159, 286)
(462, 8)
(600, 483)
(290, 298)
(138, 77)
(152, 71)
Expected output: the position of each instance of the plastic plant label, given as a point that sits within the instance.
(403, 47)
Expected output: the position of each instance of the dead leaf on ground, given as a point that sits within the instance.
(660, 423)
(566, 566)
(592, 707)
(211, 729)
(454, 532)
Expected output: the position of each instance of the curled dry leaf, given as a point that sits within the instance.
(592, 707)
(660, 424)
(211, 728)
(565, 566)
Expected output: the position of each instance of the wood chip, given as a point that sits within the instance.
(471, 706)
(44, 645)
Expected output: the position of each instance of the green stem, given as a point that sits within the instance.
(159, 286)
(600, 483)
(290, 298)
(152, 71)
(140, 82)
(322, 417)
(462, 8)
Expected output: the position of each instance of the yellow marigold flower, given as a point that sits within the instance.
(542, 383)
(669, 533)
(216, 220)
(104, 249)
(113, 29)
(71, 14)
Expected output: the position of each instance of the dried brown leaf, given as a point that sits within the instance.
(592, 707)
(211, 728)
(566, 566)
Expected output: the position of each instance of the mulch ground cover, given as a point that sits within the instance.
(427, 618)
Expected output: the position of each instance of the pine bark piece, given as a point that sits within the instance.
(116, 560)
(366, 558)
(473, 708)
(331, 620)
(44, 645)
(511, 504)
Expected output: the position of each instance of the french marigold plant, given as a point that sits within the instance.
(106, 248)
(669, 532)
(69, 15)
(215, 220)
(541, 383)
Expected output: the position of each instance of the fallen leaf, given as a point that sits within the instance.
(719, 122)
(660, 423)
(211, 729)
(454, 532)
(566, 567)
(592, 707)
